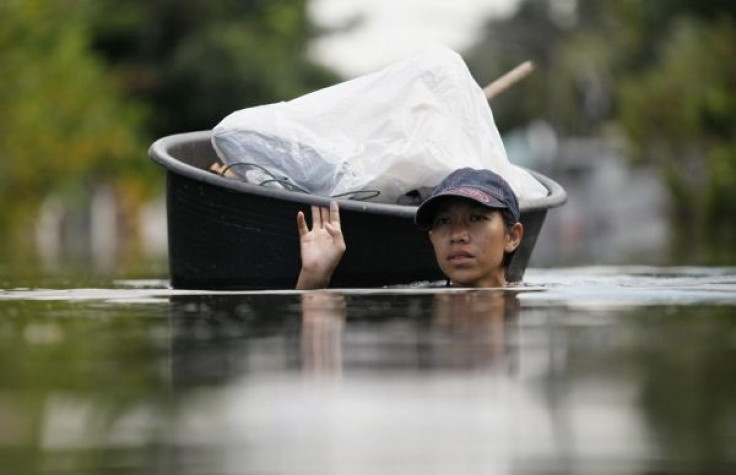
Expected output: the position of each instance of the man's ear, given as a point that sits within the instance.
(514, 237)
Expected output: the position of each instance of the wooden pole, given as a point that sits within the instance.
(509, 79)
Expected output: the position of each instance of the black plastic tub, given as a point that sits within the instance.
(227, 234)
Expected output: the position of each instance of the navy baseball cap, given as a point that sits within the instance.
(482, 186)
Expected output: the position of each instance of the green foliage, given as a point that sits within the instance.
(196, 62)
(663, 71)
(530, 34)
(681, 113)
(64, 124)
(86, 85)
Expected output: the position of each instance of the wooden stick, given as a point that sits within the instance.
(509, 79)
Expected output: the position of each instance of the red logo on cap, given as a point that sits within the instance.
(473, 193)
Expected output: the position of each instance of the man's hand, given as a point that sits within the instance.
(321, 247)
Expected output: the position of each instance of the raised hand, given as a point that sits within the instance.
(321, 247)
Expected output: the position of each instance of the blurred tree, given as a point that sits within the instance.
(662, 71)
(529, 34)
(681, 113)
(64, 125)
(86, 85)
(197, 61)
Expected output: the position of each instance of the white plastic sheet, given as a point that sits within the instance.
(394, 131)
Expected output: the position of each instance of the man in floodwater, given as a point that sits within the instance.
(472, 218)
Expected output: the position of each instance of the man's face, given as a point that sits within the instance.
(469, 242)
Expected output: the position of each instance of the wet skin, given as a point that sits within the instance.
(469, 242)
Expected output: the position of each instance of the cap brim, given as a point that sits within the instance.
(425, 212)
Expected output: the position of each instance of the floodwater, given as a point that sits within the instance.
(580, 371)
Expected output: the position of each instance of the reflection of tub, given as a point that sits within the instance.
(227, 234)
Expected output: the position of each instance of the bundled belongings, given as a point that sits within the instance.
(382, 135)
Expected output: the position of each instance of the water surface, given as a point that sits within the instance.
(585, 370)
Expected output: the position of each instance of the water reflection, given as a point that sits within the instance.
(81, 388)
(464, 330)
(323, 320)
(687, 390)
(217, 338)
(486, 322)
(351, 382)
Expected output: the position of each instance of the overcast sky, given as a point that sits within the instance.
(394, 29)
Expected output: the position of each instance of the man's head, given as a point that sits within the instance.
(473, 221)
(483, 186)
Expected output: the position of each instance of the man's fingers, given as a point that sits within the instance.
(335, 214)
(301, 224)
(326, 215)
(321, 216)
(333, 230)
(316, 217)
